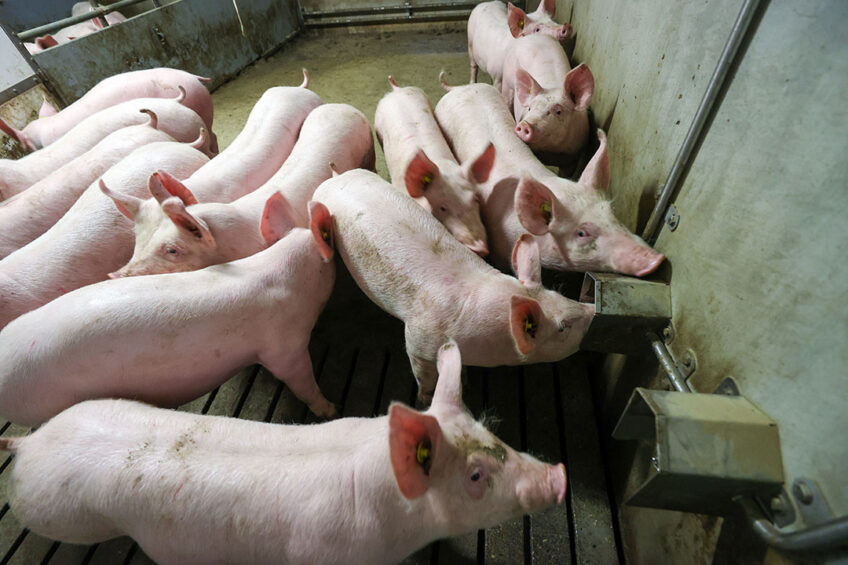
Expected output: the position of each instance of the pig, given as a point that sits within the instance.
(540, 21)
(195, 489)
(34, 211)
(178, 121)
(421, 163)
(260, 149)
(92, 239)
(167, 339)
(209, 233)
(409, 265)
(40, 44)
(151, 83)
(548, 98)
(492, 27)
(574, 222)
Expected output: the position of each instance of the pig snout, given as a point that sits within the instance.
(637, 260)
(524, 131)
(563, 32)
(542, 487)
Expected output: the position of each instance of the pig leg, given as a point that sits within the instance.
(422, 358)
(297, 375)
(425, 375)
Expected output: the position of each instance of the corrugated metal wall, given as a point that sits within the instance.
(757, 264)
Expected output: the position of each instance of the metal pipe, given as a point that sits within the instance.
(441, 17)
(387, 10)
(715, 85)
(678, 381)
(57, 25)
(828, 535)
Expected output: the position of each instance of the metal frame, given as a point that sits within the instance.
(96, 13)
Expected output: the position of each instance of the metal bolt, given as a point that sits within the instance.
(668, 334)
(656, 463)
(777, 504)
(802, 492)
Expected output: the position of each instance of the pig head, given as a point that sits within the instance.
(584, 233)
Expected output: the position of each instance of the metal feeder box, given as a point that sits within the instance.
(626, 308)
(707, 449)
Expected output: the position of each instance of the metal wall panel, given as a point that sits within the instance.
(26, 14)
(756, 265)
(13, 66)
(199, 36)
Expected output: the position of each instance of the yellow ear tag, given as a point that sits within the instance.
(422, 453)
(521, 23)
(546, 211)
(426, 179)
(325, 235)
(530, 327)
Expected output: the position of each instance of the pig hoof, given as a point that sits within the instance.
(327, 411)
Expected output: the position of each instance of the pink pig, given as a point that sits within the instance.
(260, 149)
(410, 266)
(176, 120)
(421, 163)
(92, 239)
(152, 83)
(492, 27)
(549, 99)
(193, 236)
(193, 489)
(574, 221)
(167, 339)
(32, 212)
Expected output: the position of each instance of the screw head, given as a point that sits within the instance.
(777, 504)
(803, 492)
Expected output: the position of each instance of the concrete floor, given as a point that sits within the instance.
(348, 68)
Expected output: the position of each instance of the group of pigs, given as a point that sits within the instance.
(243, 245)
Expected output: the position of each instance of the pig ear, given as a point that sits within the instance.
(46, 41)
(321, 224)
(535, 206)
(175, 209)
(548, 7)
(46, 110)
(526, 261)
(525, 315)
(126, 204)
(162, 186)
(414, 441)
(449, 385)
(526, 88)
(596, 174)
(516, 18)
(578, 88)
(277, 218)
(478, 170)
(420, 173)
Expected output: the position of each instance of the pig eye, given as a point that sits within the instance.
(443, 208)
(476, 476)
(581, 233)
(171, 250)
(563, 325)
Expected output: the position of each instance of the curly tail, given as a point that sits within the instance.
(10, 443)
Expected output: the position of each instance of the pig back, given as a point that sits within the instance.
(399, 254)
